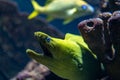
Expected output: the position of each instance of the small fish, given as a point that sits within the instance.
(62, 9)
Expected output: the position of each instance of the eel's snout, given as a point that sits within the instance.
(40, 36)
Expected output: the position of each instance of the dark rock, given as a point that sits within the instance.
(103, 37)
(93, 27)
(114, 27)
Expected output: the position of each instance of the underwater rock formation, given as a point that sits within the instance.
(15, 36)
(103, 37)
(33, 70)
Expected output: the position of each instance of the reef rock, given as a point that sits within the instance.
(102, 35)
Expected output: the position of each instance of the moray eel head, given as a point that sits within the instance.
(45, 43)
(58, 55)
(54, 47)
(64, 57)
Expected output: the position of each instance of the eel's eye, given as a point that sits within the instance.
(84, 7)
(48, 39)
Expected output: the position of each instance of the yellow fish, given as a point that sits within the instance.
(62, 9)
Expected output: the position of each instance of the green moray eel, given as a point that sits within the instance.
(69, 58)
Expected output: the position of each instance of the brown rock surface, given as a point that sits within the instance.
(103, 37)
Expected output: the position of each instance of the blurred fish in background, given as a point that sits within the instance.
(62, 9)
(26, 6)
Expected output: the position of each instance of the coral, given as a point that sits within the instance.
(103, 37)
(34, 71)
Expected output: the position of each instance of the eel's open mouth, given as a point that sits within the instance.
(43, 39)
(46, 51)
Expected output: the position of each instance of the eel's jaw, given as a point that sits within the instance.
(46, 51)
(39, 57)
(33, 54)
(41, 38)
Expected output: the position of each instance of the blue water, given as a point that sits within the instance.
(25, 6)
